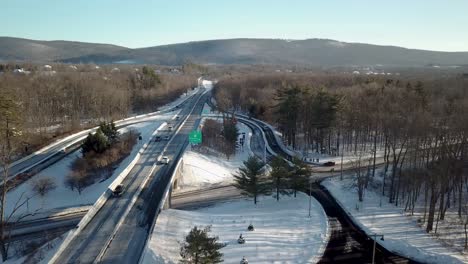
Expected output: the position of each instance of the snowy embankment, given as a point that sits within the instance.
(42, 255)
(283, 231)
(62, 197)
(207, 170)
(402, 233)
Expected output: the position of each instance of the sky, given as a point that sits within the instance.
(422, 24)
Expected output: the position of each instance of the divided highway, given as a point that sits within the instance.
(118, 232)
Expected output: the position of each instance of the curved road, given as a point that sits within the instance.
(347, 244)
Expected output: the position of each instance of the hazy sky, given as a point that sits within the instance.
(423, 24)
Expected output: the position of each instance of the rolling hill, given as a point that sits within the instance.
(313, 52)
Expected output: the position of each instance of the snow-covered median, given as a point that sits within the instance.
(283, 231)
(402, 233)
(62, 197)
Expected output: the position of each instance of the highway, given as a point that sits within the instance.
(118, 231)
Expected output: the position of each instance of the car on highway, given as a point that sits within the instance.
(118, 190)
(165, 160)
(177, 117)
(329, 164)
(170, 128)
(166, 138)
(157, 138)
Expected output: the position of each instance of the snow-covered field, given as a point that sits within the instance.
(207, 170)
(62, 197)
(283, 231)
(402, 233)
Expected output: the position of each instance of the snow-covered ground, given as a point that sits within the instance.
(62, 197)
(283, 231)
(402, 233)
(207, 170)
(42, 255)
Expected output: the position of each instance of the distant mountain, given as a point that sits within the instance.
(313, 52)
(41, 51)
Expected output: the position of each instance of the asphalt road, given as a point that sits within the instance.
(128, 244)
(101, 240)
(347, 244)
(190, 200)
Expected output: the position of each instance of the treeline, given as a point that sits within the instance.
(64, 98)
(420, 126)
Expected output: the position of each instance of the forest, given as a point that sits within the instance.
(418, 125)
(54, 100)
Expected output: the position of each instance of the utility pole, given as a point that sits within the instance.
(310, 194)
(342, 154)
(375, 238)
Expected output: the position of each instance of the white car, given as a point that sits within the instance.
(165, 160)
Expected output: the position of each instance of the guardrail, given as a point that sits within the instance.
(278, 140)
(103, 198)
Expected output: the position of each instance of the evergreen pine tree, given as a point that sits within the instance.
(97, 143)
(110, 131)
(251, 179)
(279, 176)
(200, 248)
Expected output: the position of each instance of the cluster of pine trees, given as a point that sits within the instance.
(283, 179)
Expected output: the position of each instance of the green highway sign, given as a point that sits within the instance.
(195, 137)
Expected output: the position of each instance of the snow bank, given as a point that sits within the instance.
(283, 231)
(402, 234)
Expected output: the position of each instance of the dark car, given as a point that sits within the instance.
(157, 138)
(329, 164)
(118, 190)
